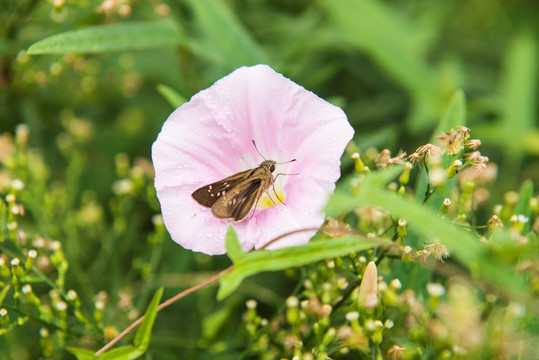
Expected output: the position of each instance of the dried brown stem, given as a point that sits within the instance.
(163, 305)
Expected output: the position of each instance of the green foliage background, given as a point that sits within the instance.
(94, 88)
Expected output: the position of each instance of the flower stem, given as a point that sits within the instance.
(287, 234)
(163, 305)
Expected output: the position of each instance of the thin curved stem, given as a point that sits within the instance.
(163, 305)
(287, 234)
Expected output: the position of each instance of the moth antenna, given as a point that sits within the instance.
(256, 148)
(258, 151)
(286, 162)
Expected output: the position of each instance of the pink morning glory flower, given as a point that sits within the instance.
(211, 137)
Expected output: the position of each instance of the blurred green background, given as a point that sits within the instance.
(391, 65)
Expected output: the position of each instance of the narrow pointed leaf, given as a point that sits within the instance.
(140, 344)
(463, 244)
(82, 354)
(230, 42)
(396, 45)
(4, 292)
(144, 332)
(233, 246)
(454, 115)
(111, 38)
(171, 95)
(259, 261)
(524, 196)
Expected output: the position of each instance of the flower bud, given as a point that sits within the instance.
(368, 288)
(407, 254)
(4, 317)
(445, 205)
(404, 178)
(16, 269)
(292, 313)
(401, 228)
(359, 166)
(32, 254)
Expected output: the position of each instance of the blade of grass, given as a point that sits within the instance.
(171, 95)
(228, 40)
(111, 38)
(259, 261)
(467, 248)
(140, 343)
(395, 45)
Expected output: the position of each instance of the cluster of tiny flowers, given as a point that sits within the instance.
(115, 7)
(384, 159)
(51, 301)
(318, 312)
(453, 142)
(124, 8)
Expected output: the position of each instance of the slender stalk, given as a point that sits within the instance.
(184, 293)
(163, 305)
(287, 234)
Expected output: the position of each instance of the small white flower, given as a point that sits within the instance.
(292, 301)
(437, 177)
(72, 295)
(353, 315)
(370, 325)
(395, 284)
(435, 289)
(342, 283)
(61, 306)
(17, 184)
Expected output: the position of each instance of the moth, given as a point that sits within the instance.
(235, 196)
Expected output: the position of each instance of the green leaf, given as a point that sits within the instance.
(3, 293)
(171, 95)
(216, 321)
(140, 344)
(516, 132)
(272, 260)
(341, 202)
(232, 245)
(396, 45)
(81, 354)
(520, 85)
(142, 338)
(428, 225)
(454, 115)
(524, 196)
(511, 140)
(227, 39)
(111, 38)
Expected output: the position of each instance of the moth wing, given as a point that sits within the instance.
(237, 203)
(209, 194)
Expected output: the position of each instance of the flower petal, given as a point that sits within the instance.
(211, 137)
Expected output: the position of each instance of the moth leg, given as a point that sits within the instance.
(256, 204)
(274, 203)
(273, 186)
